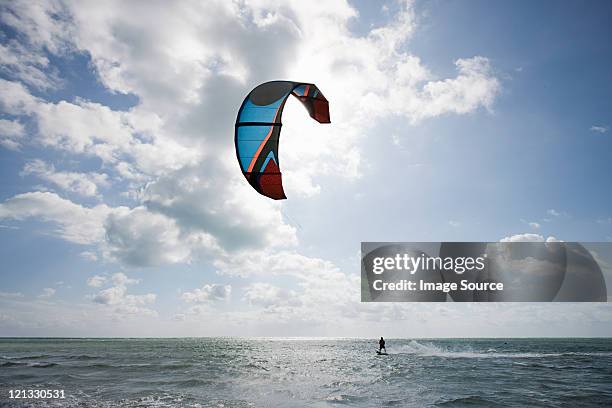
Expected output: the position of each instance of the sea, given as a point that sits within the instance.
(323, 372)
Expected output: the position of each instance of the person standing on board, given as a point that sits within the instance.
(381, 344)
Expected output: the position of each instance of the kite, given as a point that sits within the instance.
(258, 127)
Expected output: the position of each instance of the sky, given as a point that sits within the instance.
(123, 211)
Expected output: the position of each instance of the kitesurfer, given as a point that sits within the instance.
(381, 344)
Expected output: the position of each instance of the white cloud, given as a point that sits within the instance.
(122, 303)
(92, 129)
(398, 85)
(47, 293)
(599, 129)
(15, 99)
(323, 292)
(8, 227)
(534, 225)
(248, 223)
(11, 132)
(140, 237)
(190, 65)
(85, 184)
(133, 236)
(472, 88)
(528, 237)
(96, 281)
(266, 295)
(111, 296)
(44, 24)
(27, 64)
(266, 262)
(89, 255)
(121, 279)
(318, 40)
(43, 27)
(9, 295)
(75, 223)
(224, 209)
(171, 146)
(208, 293)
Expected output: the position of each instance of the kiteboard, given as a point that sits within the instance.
(380, 353)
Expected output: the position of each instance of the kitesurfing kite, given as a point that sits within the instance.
(258, 127)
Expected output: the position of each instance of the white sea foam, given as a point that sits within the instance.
(432, 350)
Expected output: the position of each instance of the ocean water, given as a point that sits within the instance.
(231, 372)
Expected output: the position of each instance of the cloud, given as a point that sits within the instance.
(398, 85)
(11, 132)
(47, 293)
(121, 279)
(111, 296)
(129, 140)
(132, 236)
(323, 292)
(27, 64)
(265, 262)
(11, 295)
(179, 317)
(89, 255)
(247, 225)
(190, 67)
(208, 293)
(599, 129)
(44, 25)
(15, 99)
(8, 227)
(139, 237)
(472, 88)
(266, 295)
(96, 281)
(528, 237)
(534, 225)
(75, 223)
(84, 184)
(43, 28)
(122, 303)
(224, 209)
(113, 136)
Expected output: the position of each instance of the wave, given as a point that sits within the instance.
(82, 357)
(33, 357)
(345, 399)
(555, 366)
(19, 364)
(257, 366)
(193, 383)
(471, 400)
(43, 365)
(11, 364)
(432, 350)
